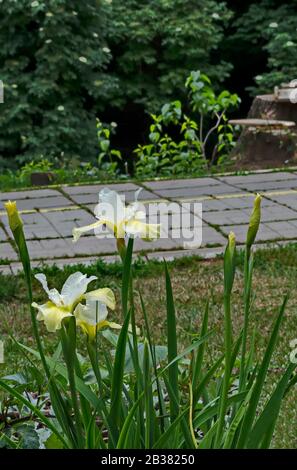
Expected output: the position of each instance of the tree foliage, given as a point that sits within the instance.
(270, 26)
(53, 60)
(156, 43)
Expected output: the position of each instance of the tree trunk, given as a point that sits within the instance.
(274, 148)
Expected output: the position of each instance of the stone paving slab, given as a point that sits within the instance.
(129, 196)
(96, 188)
(265, 232)
(41, 203)
(7, 252)
(288, 200)
(230, 203)
(49, 216)
(3, 236)
(182, 193)
(182, 183)
(268, 185)
(28, 194)
(258, 177)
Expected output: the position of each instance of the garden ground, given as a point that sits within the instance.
(275, 275)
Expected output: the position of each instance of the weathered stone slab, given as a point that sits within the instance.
(284, 229)
(3, 236)
(269, 185)
(289, 200)
(7, 252)
(93, 245)
(227, 217)
(210, 236)
(181, 183)
(96, 188)
(258, 177)
(5, 269)
(49, 249)
(30, 194)
(41, 203)
(128, 196)
(183, 193)
(245, 202)
(265, 232)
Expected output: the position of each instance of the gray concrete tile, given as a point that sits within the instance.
(263, 186)
(30, 194)
(5, 269)
(7, 252)
(245, 202)
(41, 203)
(3, 236)
(35, 226)
(93, 245)
(50, 249)
(183, 193)
(227, 217)
(209, 236)
(181, 183)
(160, 244)
(65, 221)
(258, 177)
(95, 188)
(283, 229)
(265, 232)
(205, 253)
(128, 196)
(289, 200)
(277, 212)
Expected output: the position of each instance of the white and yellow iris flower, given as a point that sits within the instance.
(118, 219)
(89, 308)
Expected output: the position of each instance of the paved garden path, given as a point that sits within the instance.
(49, 216)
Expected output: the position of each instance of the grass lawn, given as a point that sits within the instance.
(194, 281)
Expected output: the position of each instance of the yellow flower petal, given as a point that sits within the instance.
(51, 315)
(145, 231)
(105, 295)
(78, 231)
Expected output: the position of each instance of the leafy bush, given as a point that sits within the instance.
(200, 145)
(156, 43)
(270, 25)
(53, 63)
(141, 395)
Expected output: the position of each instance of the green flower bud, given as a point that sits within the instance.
(15, 222)
(229, 263)
(254, 222)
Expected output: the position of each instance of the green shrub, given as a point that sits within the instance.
(204, 140)
(269, 25)
(156, 43)
(53, 61)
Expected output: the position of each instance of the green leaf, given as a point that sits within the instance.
(172, 346)
(260, 380)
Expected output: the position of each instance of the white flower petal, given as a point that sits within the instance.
(110, 207)
(53, 294)
(75, 286)
(92, 313)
